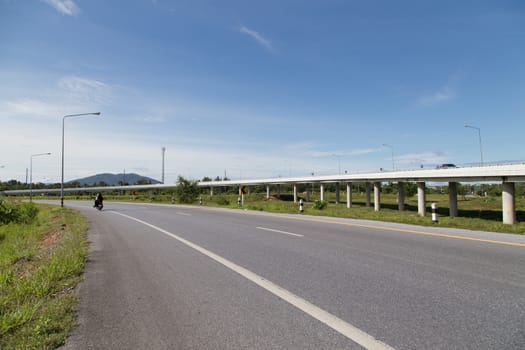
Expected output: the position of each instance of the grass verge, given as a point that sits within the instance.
(40, 264)
(475, 213)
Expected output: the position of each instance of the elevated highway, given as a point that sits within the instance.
(506, 174)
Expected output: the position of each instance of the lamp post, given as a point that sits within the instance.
(479, 136)
(63, 122)
(392, 149)
(31, 173)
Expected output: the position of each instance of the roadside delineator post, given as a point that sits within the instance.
(301, 205)
(434, 207)
(200, 200)
(239, 201)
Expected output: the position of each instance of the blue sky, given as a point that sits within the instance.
(258, 89)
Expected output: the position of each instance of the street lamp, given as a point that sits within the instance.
(479, 135)
(392, 149)
(63, 122)
(31, 173)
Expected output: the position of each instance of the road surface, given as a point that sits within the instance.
(175, 277)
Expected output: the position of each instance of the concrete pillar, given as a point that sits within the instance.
(211, 191)
(295, 193)
(421, 199)
(321, 192)
(267, 191)
(401, 195)
(453, 199)
(307, 194)
(367, 194)
(337, 193)
(348, 194)
(377, 196)
(509, 203)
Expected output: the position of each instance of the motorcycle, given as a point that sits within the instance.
(98, 204)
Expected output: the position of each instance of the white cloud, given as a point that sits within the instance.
(150, 119)
(83, 90)
(30, 107)
(65, 7)
(428, 157)
(78, 84)
(307, 149)
(441, 96)
(73, 94)
(261, 40)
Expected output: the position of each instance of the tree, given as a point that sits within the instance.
(186, 190)
(143, 182)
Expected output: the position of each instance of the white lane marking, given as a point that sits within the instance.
(181, 213)
(279, 231)
(355, 334)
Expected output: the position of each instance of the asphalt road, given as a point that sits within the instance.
(172, 277)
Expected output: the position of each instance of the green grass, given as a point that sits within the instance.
(475, 213)
(40, 264)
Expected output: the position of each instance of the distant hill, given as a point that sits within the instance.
(114, 179)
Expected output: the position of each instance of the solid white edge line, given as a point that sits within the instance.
(353, 333)
(279, 231)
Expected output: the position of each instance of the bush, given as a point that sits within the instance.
(21, 213)
(222, 200)
(186, 190)
(320, 205)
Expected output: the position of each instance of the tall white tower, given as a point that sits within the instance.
(163, 152)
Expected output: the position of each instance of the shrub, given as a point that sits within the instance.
(22, 213)
(186, 190)
(222, 200)
(28, 213)
(320, 205)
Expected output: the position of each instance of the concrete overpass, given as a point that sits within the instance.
(506, 174)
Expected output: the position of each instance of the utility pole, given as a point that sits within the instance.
(163, 152)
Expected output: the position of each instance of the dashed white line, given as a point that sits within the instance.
(279, 231)
(351, 332)
(181, 213)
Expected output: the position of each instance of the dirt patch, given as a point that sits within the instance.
(51, 239)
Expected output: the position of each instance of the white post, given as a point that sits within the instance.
(509, 203)
(348, 194)
(377, 196)
(421, 199)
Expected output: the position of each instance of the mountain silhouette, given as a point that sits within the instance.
(114, 179)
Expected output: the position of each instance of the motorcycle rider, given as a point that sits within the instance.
(99, 200)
